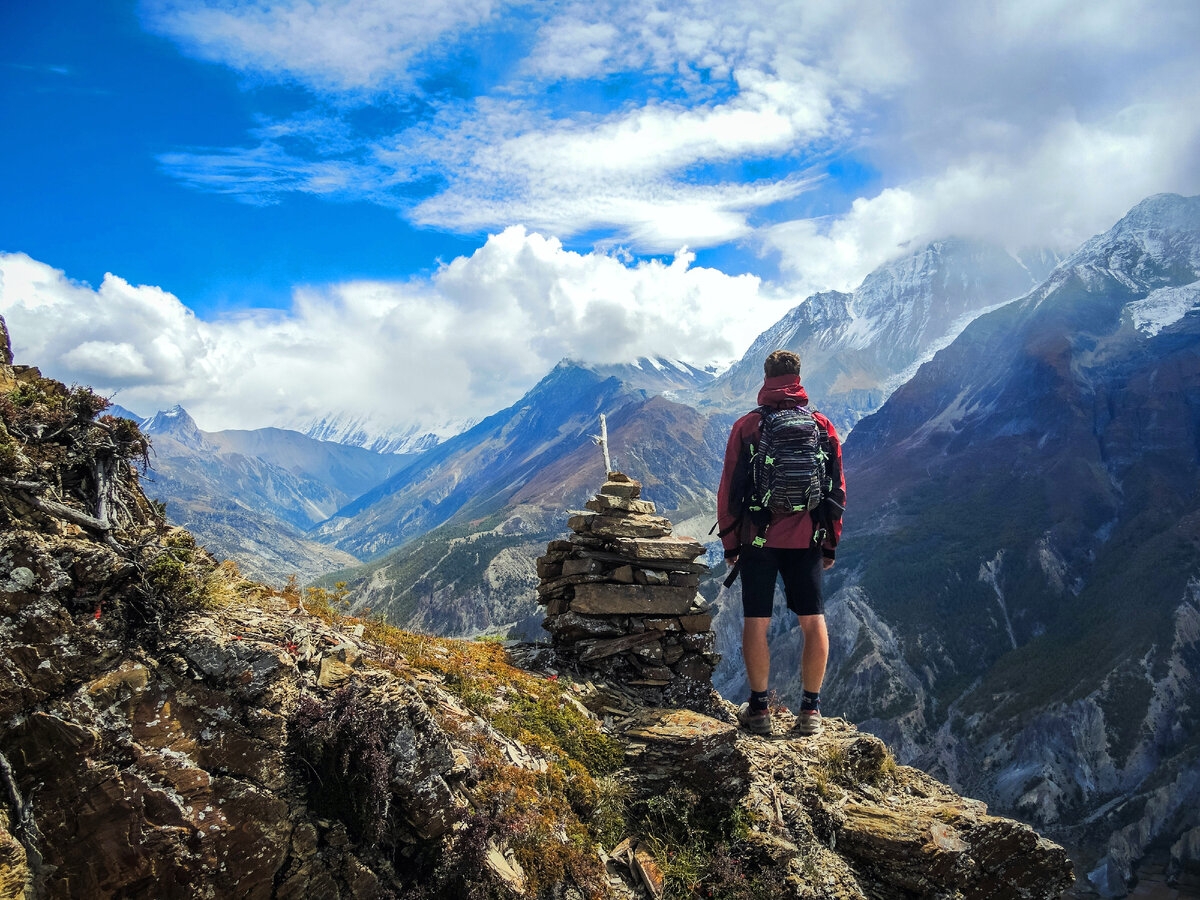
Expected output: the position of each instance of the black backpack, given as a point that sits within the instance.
(787, 467)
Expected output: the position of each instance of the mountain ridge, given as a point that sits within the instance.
(855, 345)
(1009, 514)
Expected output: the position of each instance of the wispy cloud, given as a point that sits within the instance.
(333, 46)
(262, 175)
(687, 122)
(501, 162)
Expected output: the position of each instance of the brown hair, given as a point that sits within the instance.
(781, 362)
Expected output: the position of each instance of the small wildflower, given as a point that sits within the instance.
(97, 612)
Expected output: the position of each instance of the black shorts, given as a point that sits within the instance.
(801, 571)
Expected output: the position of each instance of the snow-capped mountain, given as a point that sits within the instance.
(515, 454)
(857, 347)
(659, 375)
(378, 436)
(176, 424)
(469, 517)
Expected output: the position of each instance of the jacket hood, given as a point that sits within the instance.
(783, 391)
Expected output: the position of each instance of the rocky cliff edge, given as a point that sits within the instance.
(169, 729)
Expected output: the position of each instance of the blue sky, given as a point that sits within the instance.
(92, 101)
(265, 182)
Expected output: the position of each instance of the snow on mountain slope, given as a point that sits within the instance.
(1163, 308)
(856, 347)
(380, 437)
(658, 375)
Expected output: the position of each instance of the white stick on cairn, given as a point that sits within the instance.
(602, 440)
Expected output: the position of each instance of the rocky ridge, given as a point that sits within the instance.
(168, 729)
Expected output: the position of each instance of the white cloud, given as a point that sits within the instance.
(126, 335)
(262, 175)
(499, 162)
(335, 45)
(110, 362)
(463, 343)
(1075, 181)
(1018, 119)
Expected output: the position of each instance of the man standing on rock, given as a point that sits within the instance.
(779, 509)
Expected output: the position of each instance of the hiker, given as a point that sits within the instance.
(779, 510)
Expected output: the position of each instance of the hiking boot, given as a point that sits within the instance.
(754, 722)
(808, 721)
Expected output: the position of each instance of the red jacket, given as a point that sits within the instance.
(795, 530)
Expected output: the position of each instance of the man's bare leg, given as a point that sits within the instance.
(756, 653)
(815, 655)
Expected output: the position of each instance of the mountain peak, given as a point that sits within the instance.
(176, 423)
(1162, 209)
(122, 412)
(657, 374)
(1161, 214)
(1155, 244)
(854, 346)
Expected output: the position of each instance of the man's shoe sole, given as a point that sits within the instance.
(754, 724)
(807, 725)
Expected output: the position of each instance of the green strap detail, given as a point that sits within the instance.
(755, 508)
(799, 508)
(759, 542)
(769, 461)
(766, 498)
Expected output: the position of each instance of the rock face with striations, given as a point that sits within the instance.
(621, 598)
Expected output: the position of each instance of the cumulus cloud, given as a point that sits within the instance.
(119, 334)
(463, 343)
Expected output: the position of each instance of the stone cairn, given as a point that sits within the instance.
(621, 599)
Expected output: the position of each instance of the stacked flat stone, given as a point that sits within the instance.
(621, 598)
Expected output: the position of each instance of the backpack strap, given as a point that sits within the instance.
(822, 528)
(725, 531)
